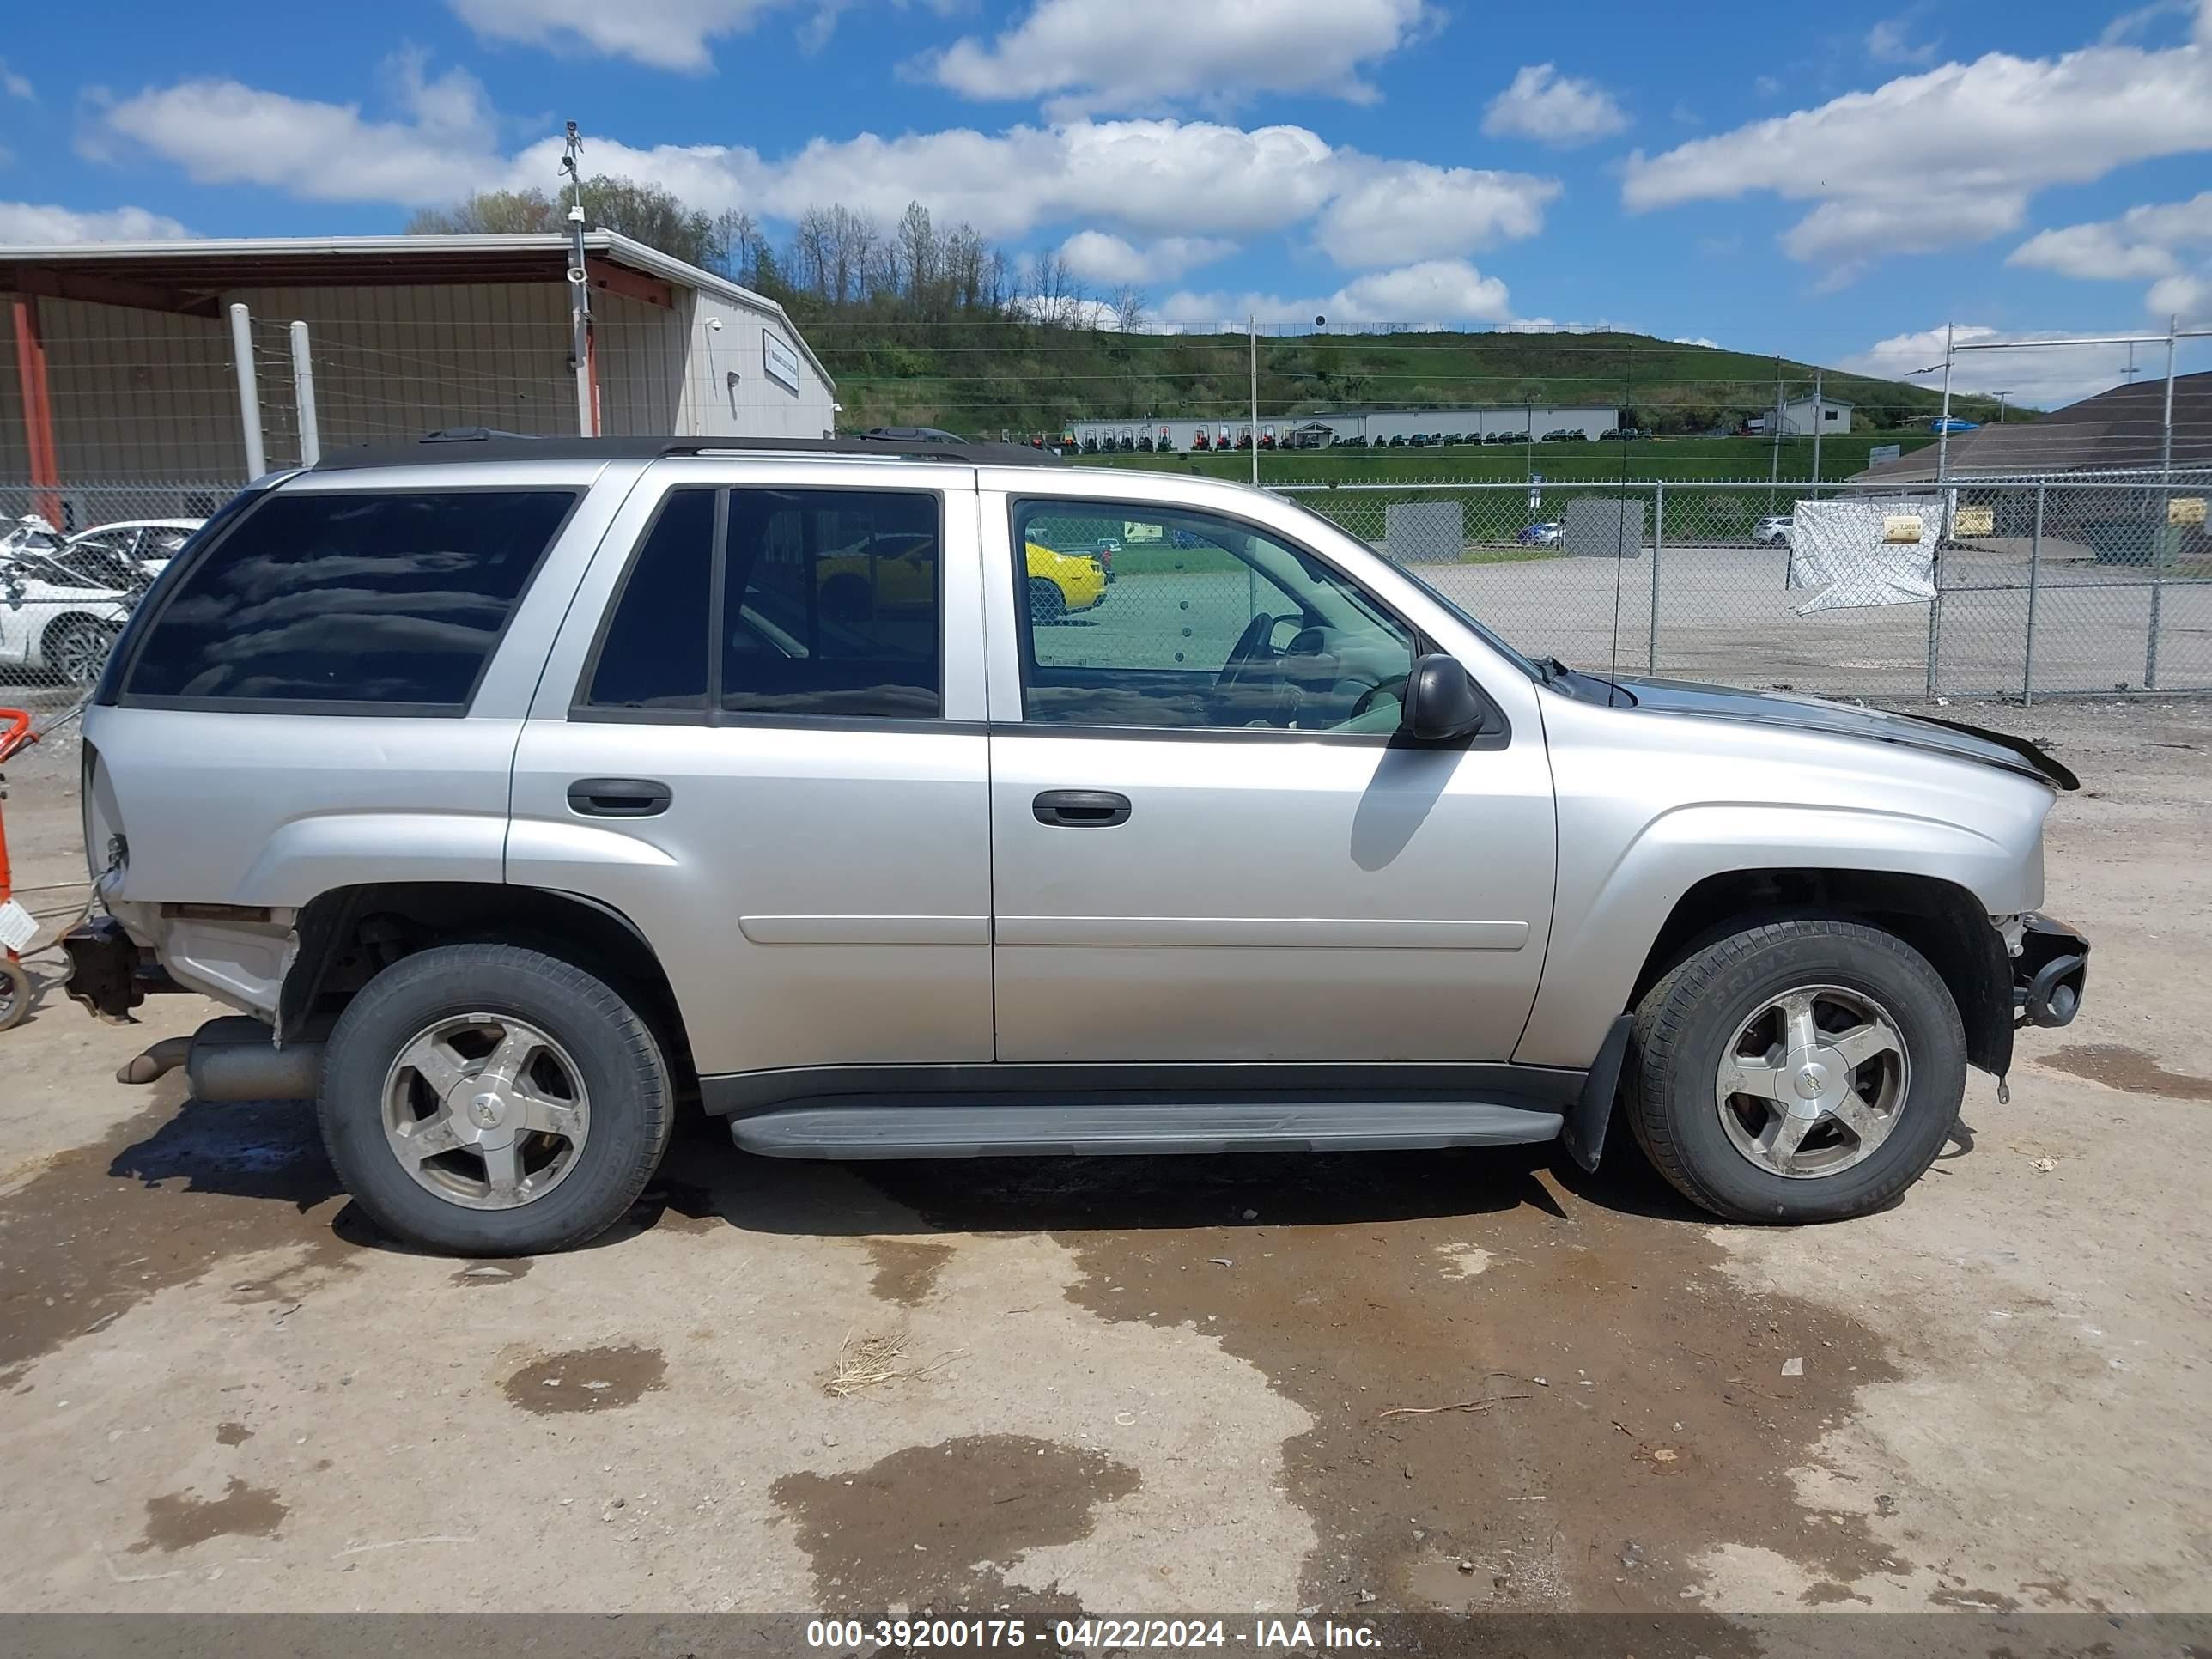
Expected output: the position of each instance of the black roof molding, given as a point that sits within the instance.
(476, 443)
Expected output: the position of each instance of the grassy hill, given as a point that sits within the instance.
(987, 377)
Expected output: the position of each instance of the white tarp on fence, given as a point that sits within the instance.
(1864, 552)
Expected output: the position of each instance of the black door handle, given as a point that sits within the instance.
(1081, 809)
(618, 797)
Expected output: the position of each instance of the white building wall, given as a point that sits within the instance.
(1804, 417)
(754, 404)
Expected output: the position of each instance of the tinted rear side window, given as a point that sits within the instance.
(831, 604)
(386, 599)
(654, 654)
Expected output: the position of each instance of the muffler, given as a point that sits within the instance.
(233, 1059)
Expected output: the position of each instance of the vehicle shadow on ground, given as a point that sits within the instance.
(271, 1151)
(706, 1181)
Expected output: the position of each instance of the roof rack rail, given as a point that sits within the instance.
(478, 443)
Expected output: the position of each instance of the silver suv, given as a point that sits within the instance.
(516, 792)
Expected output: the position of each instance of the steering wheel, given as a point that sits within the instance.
(1254, 645)
(1394, 687)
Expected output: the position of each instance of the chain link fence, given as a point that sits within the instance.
(2040, 586)
(2035, 587)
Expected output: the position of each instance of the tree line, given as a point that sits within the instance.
(836, 265)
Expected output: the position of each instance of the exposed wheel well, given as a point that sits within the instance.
(349, 935)
(1940, 919)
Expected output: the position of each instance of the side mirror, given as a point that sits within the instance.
(1441, 702)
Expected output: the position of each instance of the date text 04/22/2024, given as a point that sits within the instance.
(1090, 1634)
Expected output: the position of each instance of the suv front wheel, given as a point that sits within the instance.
(487, 1100)
(1803, 1071)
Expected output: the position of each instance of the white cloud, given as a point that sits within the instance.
(2042, 377)
(2186, 295)
(665, 33)
(1696, 340)
(1552, 108)
(32, 224)
(16, 85)
(1949, 156)
(1432, 292)
(1097, 255)
(1150, 54)
(2160, 241)
(1767, 86)
(1402, 212)
(223, 132)
(2141, 242)
(1890, 41)
(1184, 187)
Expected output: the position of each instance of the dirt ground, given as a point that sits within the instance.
(1479, 1381)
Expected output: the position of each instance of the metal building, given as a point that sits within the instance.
(121, 364)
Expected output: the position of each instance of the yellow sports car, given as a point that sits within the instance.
(1060, 583)
(899, 572)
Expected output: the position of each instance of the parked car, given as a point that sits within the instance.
(1772, 530)
(1544, 533)
(599, 810)
(61, 611)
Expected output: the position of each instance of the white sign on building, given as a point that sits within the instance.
(779, 362)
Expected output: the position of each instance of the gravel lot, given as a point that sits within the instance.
(1146, 1385)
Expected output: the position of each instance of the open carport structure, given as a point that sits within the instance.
(122, 366)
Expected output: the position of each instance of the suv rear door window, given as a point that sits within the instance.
(390, 599)
(832, 603)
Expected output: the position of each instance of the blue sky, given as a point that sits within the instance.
(1834, 183)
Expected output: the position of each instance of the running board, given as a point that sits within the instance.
(865, 1127)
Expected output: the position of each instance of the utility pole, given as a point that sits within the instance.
(1820, 418)
(2001, 396)
(1252, 339)
(580, 293)
(2160, 541)
(1774, 462)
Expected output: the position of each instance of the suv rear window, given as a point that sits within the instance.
(389, 599)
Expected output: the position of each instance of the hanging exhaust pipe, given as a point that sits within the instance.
(233, 1059)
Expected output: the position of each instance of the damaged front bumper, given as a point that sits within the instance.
(2049, 967)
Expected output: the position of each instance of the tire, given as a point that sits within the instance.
(1046, 602)
(1733, 998)
(16, 994)
(74, 649)
(595, 1059)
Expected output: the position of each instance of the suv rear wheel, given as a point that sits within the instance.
(1803, 1070)
(488, 1100)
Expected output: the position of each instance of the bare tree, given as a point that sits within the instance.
(1054, 297)
(1129, 307)
(918, 251)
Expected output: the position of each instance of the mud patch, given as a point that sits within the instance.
(163, 1199)
(587, 1380)
(504, 1272)
(1658, 1424)
(177, 1521)
(906, 1269)
(232, 1434)
(2127, 1069)
(935, 1526)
